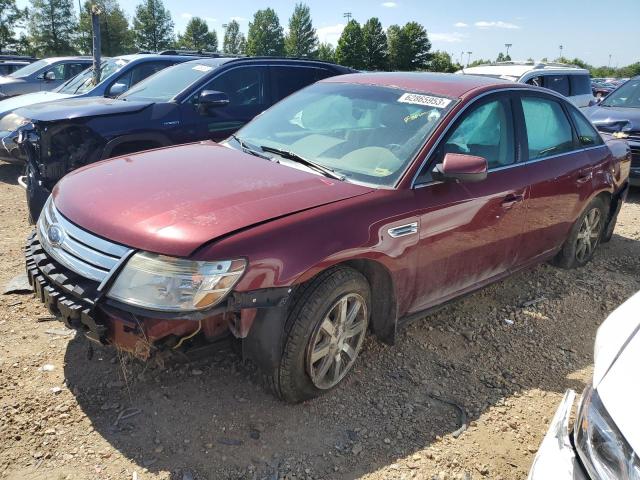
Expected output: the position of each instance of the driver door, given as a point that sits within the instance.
(469, 232)
(248, 90)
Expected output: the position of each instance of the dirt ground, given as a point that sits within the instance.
(505, 354)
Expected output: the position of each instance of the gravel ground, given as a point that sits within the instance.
(505, 355)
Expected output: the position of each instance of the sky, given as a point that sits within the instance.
(585, 28)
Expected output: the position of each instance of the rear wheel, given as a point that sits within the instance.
(325, 332)
(584, 237)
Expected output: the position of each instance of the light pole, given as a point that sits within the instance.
(609, 60)
(461, 57)
(561, 47)
(348, 16)
(468, 57)
(508, 45)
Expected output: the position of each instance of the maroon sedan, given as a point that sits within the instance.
(353, 206)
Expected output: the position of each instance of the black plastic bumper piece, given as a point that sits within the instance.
(66, 294)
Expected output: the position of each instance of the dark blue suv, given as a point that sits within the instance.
(204, 99)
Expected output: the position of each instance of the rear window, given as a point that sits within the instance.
(580, 84)
(557, 83)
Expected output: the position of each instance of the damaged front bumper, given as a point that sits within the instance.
(557, 458)
(80, 304)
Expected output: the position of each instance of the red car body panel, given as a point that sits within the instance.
(172, 212)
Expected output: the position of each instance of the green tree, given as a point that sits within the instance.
(265, 37)
(418, 46)
(478, 62)
(500, 57)
(152, 26)
(326, 52)
(10, 18)
(302, 40)
(117, 38)
(396, 47)
(375, 45)
(197, 36)
(234, 42)
(52, 27)
(442, 62)
(350, 50)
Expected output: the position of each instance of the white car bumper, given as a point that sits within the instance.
(556, 457)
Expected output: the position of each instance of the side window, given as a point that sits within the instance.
(73, 69)
(580, 84)
(548, 128)
(58, 71)
(487, 132)
(587, 134)
(536, 81)
(144, 70)
(287, 80)
(557, 83)
(245, 86)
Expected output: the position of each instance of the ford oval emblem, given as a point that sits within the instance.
(55, 235)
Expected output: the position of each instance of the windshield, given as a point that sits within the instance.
(166, 84)
(366, 133)
(628, 95)
(29, 69)
(83, 82)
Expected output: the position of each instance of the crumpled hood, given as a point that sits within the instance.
(20, 101)
(617, 358)
(173, 200)
(614, 118)
(79, 107)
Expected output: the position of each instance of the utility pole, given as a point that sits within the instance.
(95, 24)
(561, 47)
(508, 45)
(609, 60)
(348, 16)
(468, 57)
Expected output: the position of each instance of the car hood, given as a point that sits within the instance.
(7, 80)
(29, 99)
(614, 118)
(617, 356)
(80, 107)
(173, 200)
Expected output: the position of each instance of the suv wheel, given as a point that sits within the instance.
(325, 332)
(584, 237)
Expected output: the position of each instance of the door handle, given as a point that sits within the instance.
(511, 200)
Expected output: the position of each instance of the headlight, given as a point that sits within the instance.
(603, 450)
(158, 282)
(11, 122)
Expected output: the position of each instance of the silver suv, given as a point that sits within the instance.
(569, 80)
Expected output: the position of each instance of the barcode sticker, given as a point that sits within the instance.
(426, 100)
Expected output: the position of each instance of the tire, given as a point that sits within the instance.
(319, 323)
(576, 251)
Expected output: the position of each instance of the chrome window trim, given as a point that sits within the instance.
(464, 109)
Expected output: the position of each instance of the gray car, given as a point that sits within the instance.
(42, 75)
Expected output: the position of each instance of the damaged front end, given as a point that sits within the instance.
(51, 150)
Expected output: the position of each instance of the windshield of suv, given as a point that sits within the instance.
(29, 69)
(628, 95)
(83, 82)
(166, 84)
(366, 133)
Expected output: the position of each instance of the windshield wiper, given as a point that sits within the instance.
(326, 171)
(245, 148)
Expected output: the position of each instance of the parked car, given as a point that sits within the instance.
(568, 80)
(42, 75)
(118, 75)
(202, 99)
(602, 89)
(605, 441)
(619, 115)
(357, 204)
(10, 66)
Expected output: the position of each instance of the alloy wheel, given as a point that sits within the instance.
(336, 342)
(588, 235)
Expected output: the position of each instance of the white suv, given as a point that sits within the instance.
(569, 80)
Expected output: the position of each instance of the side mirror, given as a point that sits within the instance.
(49, 76)
(117, 89)
(213, 98)
(461, 168)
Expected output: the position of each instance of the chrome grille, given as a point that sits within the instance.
(76, 249)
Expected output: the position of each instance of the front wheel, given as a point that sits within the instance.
(584, 237)
(324, 335)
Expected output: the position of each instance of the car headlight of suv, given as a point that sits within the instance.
(604, 452)
(163, 283)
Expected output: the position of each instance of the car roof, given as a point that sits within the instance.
(517, 70)
(60, 59)
(446, 84)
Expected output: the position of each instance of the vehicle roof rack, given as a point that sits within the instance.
(534, 64)
(194, 53)
(279, 57)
